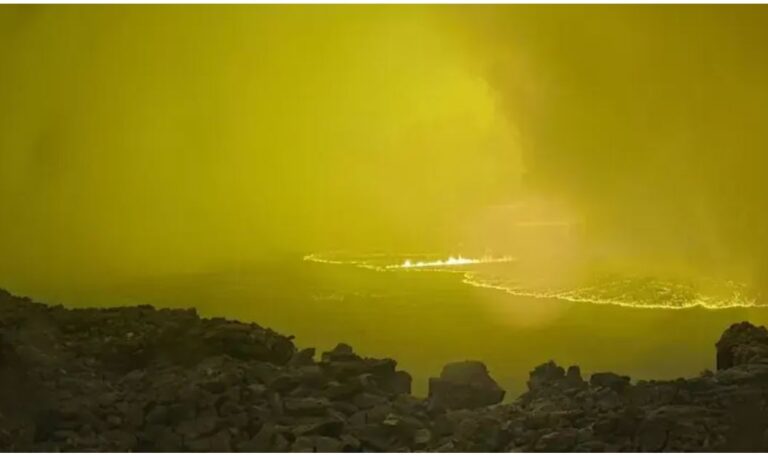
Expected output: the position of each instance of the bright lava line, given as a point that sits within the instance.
(451, 261)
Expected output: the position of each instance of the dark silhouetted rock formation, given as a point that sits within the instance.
(464, 385)
(142, 379)
(740, 344)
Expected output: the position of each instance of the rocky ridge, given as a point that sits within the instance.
(146, 379)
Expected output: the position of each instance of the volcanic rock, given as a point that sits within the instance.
(609, 380)
(464, 385)
(140, 379)
(742, 343)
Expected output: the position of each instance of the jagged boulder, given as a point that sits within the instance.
(464, 385)
(573, 376)
(304, 357)
(247, 341)
(615, 382)
(398, 382)
(741, 343)
(355, 373)
(341, 352)
(551, 376)
(545, 375)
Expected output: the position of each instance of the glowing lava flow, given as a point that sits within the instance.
(450, 262)
(594, 295)
(435, 265)
(623, 292)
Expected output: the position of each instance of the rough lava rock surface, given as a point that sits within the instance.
(740, 344)
(464, 385)
(143, 379)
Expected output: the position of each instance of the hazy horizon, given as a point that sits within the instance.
(143, 140)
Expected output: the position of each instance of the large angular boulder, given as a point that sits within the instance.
(303, 357)
(247, 341)
(551, 376)
(341, 352)
(464, 385)
(742, 343)
(545, 375)
(355, 372)
(615, 382)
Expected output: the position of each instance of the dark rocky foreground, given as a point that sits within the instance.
(142, 379)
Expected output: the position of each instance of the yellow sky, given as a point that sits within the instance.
(143, 139)
(165, 138)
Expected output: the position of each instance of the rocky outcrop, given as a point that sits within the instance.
(464, 385)
(550, 376)
(142, 379)
(742, 343)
